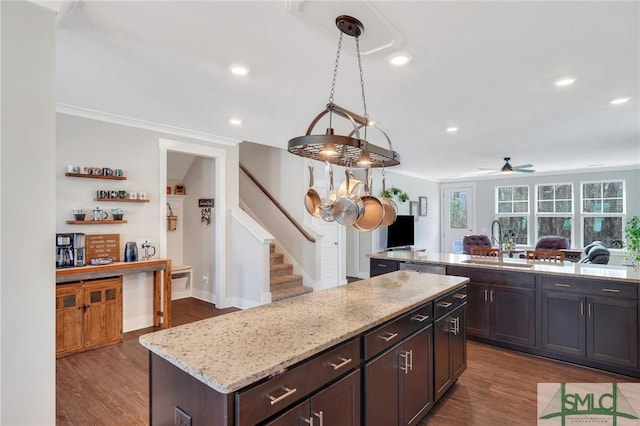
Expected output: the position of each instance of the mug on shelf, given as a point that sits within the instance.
(122, 194)
(118, 172)
(107, 171)
(85, 170)
(101, 193)
(133, 196)
(113, 194)
(142, 195)
(73, 169)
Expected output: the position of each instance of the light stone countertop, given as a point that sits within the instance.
(234, 350)
(625, 274)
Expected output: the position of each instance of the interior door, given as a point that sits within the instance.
(458, 217)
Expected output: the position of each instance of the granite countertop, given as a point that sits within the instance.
(579, 270)
(232, 351)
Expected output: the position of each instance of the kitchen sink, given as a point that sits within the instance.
(496, 263)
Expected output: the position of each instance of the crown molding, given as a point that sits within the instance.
(141, 124)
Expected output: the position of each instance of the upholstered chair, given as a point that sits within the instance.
(596, 253)
(475, 241)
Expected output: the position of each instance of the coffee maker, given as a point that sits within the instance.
(69, 250)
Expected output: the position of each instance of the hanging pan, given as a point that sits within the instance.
(373, 209)
(348, 208)
(312, 199)
(390, 208)
(326, 208)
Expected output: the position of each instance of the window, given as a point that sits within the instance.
(554, 210)
(512, 211)
(458, 210)
(603, 209)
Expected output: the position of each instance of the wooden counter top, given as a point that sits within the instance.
(234, 350)
(579, 270)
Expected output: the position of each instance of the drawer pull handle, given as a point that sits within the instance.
(611, 290)
(445, 304)
(288, 393)
(343, 362)
(460, 296)
(319, 415)
(420, 318)
(389, 336)
(563, 285)
(381, 266)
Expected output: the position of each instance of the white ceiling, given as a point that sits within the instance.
(485, 67)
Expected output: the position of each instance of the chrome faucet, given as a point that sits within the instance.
(497, 240)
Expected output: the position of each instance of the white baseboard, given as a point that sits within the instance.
(176, 295)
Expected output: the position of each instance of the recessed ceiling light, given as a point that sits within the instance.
(565, 81)
(619, 101)
(238, 69)
(235, 121)
(452, 129)
(400, 58)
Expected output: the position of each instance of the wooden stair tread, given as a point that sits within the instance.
(290, 292)
(283, 282)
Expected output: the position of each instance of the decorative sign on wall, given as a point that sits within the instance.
(100, 246)
(205, 202)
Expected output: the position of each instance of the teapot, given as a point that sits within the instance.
(99, 214)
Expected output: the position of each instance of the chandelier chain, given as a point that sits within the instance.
(335, 69)
(364, 100)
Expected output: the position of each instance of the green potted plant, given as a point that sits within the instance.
(632, 240)
(390, 192)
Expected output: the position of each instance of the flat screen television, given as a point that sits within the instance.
(400, 233)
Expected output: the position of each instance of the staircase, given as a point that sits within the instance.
(284, 283)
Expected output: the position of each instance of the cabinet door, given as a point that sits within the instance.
(478, 309)
(416, 376)
(458, 343)
(103, 317)
(513, 314)
(69, 313)
(442, 375)
(298, 415)
(612, 331)
(381, 385)
(563, 323)
(339, 404)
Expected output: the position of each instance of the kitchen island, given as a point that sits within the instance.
(586, 314)
(280, 362)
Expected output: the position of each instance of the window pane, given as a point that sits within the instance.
(505, 208)
(563, 206)
(592, 206)
(605, 229)
(545, 206)
(520, 207)
(592, 190)
(563, 192)
(517, 226)
(505, 194)
(458, 210)
(612, 189)
(612, 205)
(545, 192)
(560, 226)
(521, 193)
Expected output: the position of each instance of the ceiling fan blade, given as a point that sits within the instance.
(515, 169)
(485, 168)
(523, 166)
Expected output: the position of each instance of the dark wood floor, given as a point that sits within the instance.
(109, 386)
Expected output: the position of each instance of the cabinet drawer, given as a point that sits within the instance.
(257, 403)
(519, 279)
(382, 266)
(392, 332)
(450, 301)
(423, 267)
(590, 287)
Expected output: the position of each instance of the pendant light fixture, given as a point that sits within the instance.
(352, 150)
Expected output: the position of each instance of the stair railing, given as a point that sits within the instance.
(275, 202)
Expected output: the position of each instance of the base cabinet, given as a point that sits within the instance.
(450, 350)
(399, 383)
(338, 404)
(602, 329)
(88, 315)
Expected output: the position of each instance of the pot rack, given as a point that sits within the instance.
(351, 150)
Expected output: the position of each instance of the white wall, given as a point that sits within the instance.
(199, 237)
(27, 222)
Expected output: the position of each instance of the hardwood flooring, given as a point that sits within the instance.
(109, 386)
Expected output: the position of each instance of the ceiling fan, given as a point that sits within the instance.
(508, 168)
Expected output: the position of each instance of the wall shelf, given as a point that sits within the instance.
(83, 175)
(95, 222)
(121, 200)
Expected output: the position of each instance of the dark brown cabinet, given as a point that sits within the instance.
(382, 266)
(603, 329)
(399, 383)
(500, 305)
(450, 350)
(337, 405)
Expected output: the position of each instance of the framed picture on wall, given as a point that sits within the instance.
(413, 210)
(422, 204)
